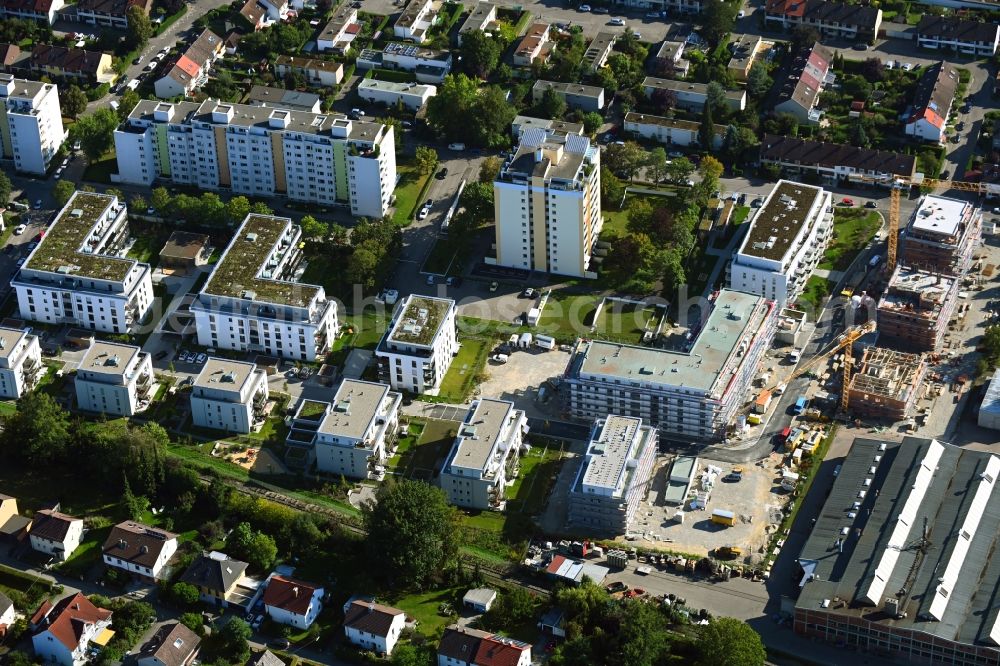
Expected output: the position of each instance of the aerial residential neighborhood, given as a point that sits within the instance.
(426, 332)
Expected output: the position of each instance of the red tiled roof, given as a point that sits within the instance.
(555, 564)
(289, 594)
(69, 617)
(40, 614)
(39, 6)
(353, 29)
(188, 66)
(497, 651)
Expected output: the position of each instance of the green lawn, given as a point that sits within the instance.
(461, 377)
(423, 607)
(419, 458)
(100, 171)
(408, 193)
(147, 248)
(625, 322)
(853, 229)
(87, 554)
(568, 318)
(739, 214)
(406, 442)
(815, 291)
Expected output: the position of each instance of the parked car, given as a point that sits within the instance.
(907, 66)
(430, 279)
(19, 229)
(138, 59)
(740, 14)
(584, 8)
(494, 286)
(601, 10)
(871, 204)
(529, 293)
(616, 21)
(160, 355)
(201, 358)
(456, 146)
(617, 586)
(847, 201)
(945, 175)
(424, 212)
(38, 204)
(675, 154)
(443, 173)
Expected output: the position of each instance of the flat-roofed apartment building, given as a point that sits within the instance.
(670, 131)
(598, 50)
(786, 240)
(353, 435)
(415, 21)
(915, 309)
(31, 130)
(76, 276)
(744, 50)
(417, 349)
(576, 96)
(341, 30)
(229, 395)
(688, 394)
(260, 151)
(20, 362)
(113, 379)
(482, 18)
(615, 475)
(902, 559)
(941, 235)
(252, 303)
(316, 72)
(484, 456)
(547, 202)
(691, 96)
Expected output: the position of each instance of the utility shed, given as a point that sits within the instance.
(989, 411)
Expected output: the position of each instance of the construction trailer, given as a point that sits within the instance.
(886, 384)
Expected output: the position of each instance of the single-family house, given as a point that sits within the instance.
(292, 602)
(139, 550)
(932, 103)
(553, 623)
(799, 93)
(7, 614)
(464, 646)
(254, 14)
(265, 658)
(691, 96)
(576, 96)
(184, 252)
(172, 645)
(744, 50)
(340, 31)
(65, 632)
(55, 533)
(372, 626)
(13, 526)
(189, 70)
(669, 61)
(535, 46)
(482, 18)
(415, 21)
(978, 38)
(216, 576)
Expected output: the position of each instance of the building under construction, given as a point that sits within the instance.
(913, 313)
(941, 236)
(886, 384)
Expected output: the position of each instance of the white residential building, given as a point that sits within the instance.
(689, 395)
(67, 631)
(78, 275)
(56, 534)
(291, 602)
(417, 349)
(113, 379)
(31, 130)
(260, 151)
(547, 201)
(786, 240)
(957, 34)
(576, 96)
(20, 362)
(412, 95)
(415, 21)
(615, 475)
(229, 395)
(691, 96)
(427, 65)
(139, 550)
(36, 10)
(374, 627)
(932, 103)
(188, 70)
(338, 34)
(484, 456)
(482, 18)
(465, 646)
(7, 612)
(669, 131)
(251, 303)
(353, 435)
(317, 73)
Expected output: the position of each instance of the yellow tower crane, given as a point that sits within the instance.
(899, 183)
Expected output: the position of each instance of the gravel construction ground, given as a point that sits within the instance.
(521, 377)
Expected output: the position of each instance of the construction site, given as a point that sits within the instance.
(914, 311)
(886, 384)
(941, 235)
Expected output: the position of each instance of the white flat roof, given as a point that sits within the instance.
(940, 215)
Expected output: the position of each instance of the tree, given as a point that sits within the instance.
(140, 28)
(160, 199)
(73, 101)
(804, 36)
(718, 19)
(408, 654)
(128, 102)
(738, 143)
(711, 169)
(261, 208)
(758, 81)
(656, 163)
(95, 132)
(184, 595)
(233, 637)
(427, 159)
(257, 548)
(663, 100)
(489, 169)
(39, 431)
(5, 189)
(727, 641)
(313, 228)
(612, 189)
(679, 170)
(493, 114)
(480, 53)
(552, 105)
(193, 622)
(62, 191)
(706, 132)
(460, 98)
(412, 532)
(858, 135)
(592, 122)
(644, 639)
(715, 96)
(873, 69)
(362, 268)
(673, 273)
(625, 159)
(236, 209)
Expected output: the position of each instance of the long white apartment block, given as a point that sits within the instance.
(419, 345)
(113, 379)
(615, 475)
(323, 158)
(20, 362)
(352, 436)
(547, 202)
(689, 394)
(786, 240)
(229, 395)
(31, 130)
(484, 456)
(252, 303)
(76, 275)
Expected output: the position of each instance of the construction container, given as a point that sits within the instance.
(617, 559)
(763, 402)
(723, 517)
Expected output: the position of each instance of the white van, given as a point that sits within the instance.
(793, 356)
(456, 146)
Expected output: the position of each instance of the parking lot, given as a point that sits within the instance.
(756, 500)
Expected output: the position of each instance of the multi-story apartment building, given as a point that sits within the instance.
(31, 130)
(427, 65)
(317, 73)
(615, 475)
(576, 96)
(836, 20)
(20, 362)
(670, 62)
(415, 21)
(523, 123)
(76, 276)
(36, 10)
(941, 235)
(916, 308)
(932, 102)
(691, 96)
(547, 201)
(229, 395)
(785, 242)
(411, 95)
(352, 436)
(799, 92)
(482, 18)
(670, 131)
(834, 163)
(484, 456)
(744, 50)
(689, 395)
(417, 349)
(958, 34)
(260, 151)
(113, 379)
(251, 302)
(598, 50)
(110, 13)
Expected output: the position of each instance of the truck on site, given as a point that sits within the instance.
(800, 405)
(724, 517)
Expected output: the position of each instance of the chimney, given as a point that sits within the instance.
(295, 592)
